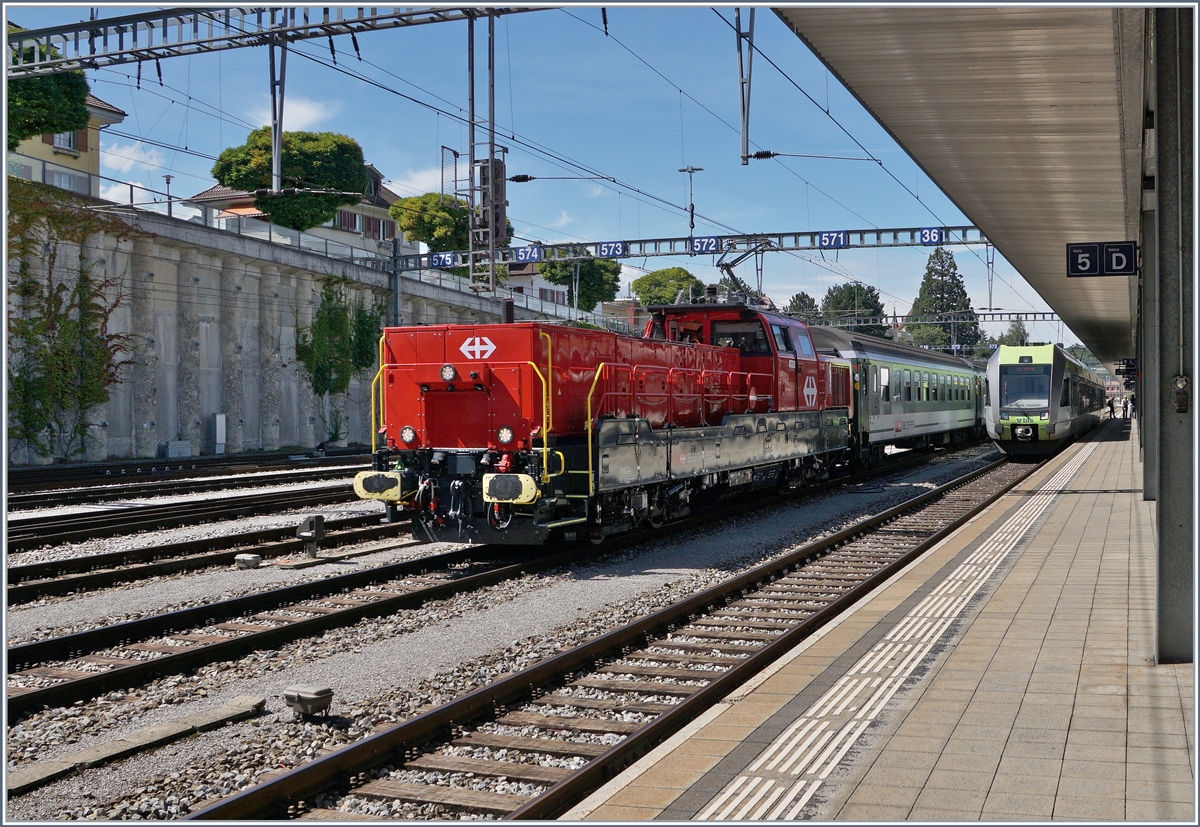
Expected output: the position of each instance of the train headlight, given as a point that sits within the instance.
(1045, 415)
(505, 435)
(408, 434)
(1003, 415)
(449, 374)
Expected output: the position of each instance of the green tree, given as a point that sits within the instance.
(599, 279)
(1015, 335)
(942, 291)
(62, 359)
(313, 160)
(664, 286)
(443, 224)
(338, 345)
(854, 299)
(735, 287)
(45, 104)
(804, 306)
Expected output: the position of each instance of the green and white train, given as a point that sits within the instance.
(1039, 398)
(905, 396)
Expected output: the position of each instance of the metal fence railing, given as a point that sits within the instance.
(100, 186)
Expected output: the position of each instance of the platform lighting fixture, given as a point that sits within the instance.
(765, 154)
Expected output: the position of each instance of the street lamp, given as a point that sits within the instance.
(691, 170)
(168, 178)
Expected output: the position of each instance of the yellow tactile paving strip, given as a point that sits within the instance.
(1044, 705)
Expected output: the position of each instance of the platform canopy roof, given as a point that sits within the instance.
(1029, 119)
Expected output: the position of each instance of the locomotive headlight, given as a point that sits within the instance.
(449, 374)
(505, 435)
(1045, 415)
(408, 434)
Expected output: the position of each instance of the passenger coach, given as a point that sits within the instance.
(906, 396)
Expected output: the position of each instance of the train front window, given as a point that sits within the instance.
(782, 343)
(1024, 386)
(748, 337)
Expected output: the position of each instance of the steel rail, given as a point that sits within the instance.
(35, 533)
(271, 798)
(159, 488)
(26, 656)
(38, 580)
(122, 472)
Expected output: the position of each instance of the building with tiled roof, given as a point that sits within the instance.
(365, 225)
(70, 160)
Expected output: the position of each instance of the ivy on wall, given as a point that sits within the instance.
(340, 344)
(62, 359)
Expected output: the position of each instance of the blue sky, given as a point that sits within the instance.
(658, 94)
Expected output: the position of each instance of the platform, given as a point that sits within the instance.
(1006, 675)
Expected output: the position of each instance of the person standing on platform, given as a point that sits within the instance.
(1125, 408)
(1112, 408)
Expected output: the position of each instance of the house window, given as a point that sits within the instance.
(65, 181)
(66, 140)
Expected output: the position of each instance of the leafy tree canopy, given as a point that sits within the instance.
(1015, 335)
(443, 224)
(324, 160)
(599, 279)
(46, 104)
(804, 306)
(666, 285)
(942, 291)
(439, 222)
(854, 299)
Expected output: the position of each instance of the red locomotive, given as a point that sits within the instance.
(523, 433)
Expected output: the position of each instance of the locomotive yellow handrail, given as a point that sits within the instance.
(545, 447)
(549, 383)
(377, 407)
(591, 476)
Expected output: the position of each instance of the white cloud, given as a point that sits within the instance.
(563, 220)
(416, 182)
(595, 191)
(298, 113)
(122, 158)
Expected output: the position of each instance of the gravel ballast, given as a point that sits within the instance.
(384, 670)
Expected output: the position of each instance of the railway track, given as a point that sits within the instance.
(44, 477)
(158, 488)
(35, 532)
(62, 670)
(569, 723)
(78, 574)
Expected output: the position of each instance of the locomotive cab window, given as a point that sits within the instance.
(804, 344)
(885, 384)
(748, 337)
(783, 342)
(1025, 386)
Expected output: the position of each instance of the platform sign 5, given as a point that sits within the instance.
(441, 259)
(705, 244)
(831, 240)
(932, 235)
(532, 252)
(610, 249)
(1109, 258)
